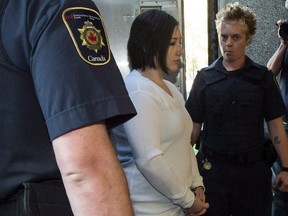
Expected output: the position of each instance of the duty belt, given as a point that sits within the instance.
(234, 157)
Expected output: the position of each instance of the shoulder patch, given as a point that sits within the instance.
(87, 31)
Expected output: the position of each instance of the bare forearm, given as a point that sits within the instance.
(275, 62)
(101, 191)
(93, 178)
(279, 139)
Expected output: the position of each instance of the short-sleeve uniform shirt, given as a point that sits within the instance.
(233, 106)
(57, 75)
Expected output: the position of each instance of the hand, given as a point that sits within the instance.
(199, 192)
(199, 207)
(279, 23)
(281, 182)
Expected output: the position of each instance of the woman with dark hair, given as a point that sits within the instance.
(154, 147)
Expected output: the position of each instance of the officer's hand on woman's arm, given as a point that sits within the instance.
(91, 173)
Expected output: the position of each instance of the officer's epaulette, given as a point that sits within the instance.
(211, 75)
(254, 72)
(214, 65)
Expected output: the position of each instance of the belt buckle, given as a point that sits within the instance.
(242, 158)
(233, 157)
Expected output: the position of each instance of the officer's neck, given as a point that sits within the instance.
(233, 65)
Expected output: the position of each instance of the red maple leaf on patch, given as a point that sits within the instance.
(92, 37)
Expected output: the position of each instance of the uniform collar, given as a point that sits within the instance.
(218, 65)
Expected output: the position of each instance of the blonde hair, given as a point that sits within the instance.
(234, 12)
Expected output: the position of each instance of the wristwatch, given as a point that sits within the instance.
(285, 169)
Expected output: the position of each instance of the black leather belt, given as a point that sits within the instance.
(234, 157)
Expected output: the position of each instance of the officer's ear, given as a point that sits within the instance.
(249, 39)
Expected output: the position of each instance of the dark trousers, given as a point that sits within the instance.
(38, 199)
(14, 208)
(9, 208)
(280, 199)
(237, 189)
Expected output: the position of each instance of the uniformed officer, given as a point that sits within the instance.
(231, 98)
(60, 89)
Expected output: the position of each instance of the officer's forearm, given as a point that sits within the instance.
(93, 178)
(279, 139)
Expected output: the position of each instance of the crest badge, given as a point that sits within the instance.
(91, 37)
(88, 34)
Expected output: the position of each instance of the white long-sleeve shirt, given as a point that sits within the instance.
(157, 156)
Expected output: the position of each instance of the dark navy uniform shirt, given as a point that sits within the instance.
(57, 74)
(233, 106)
